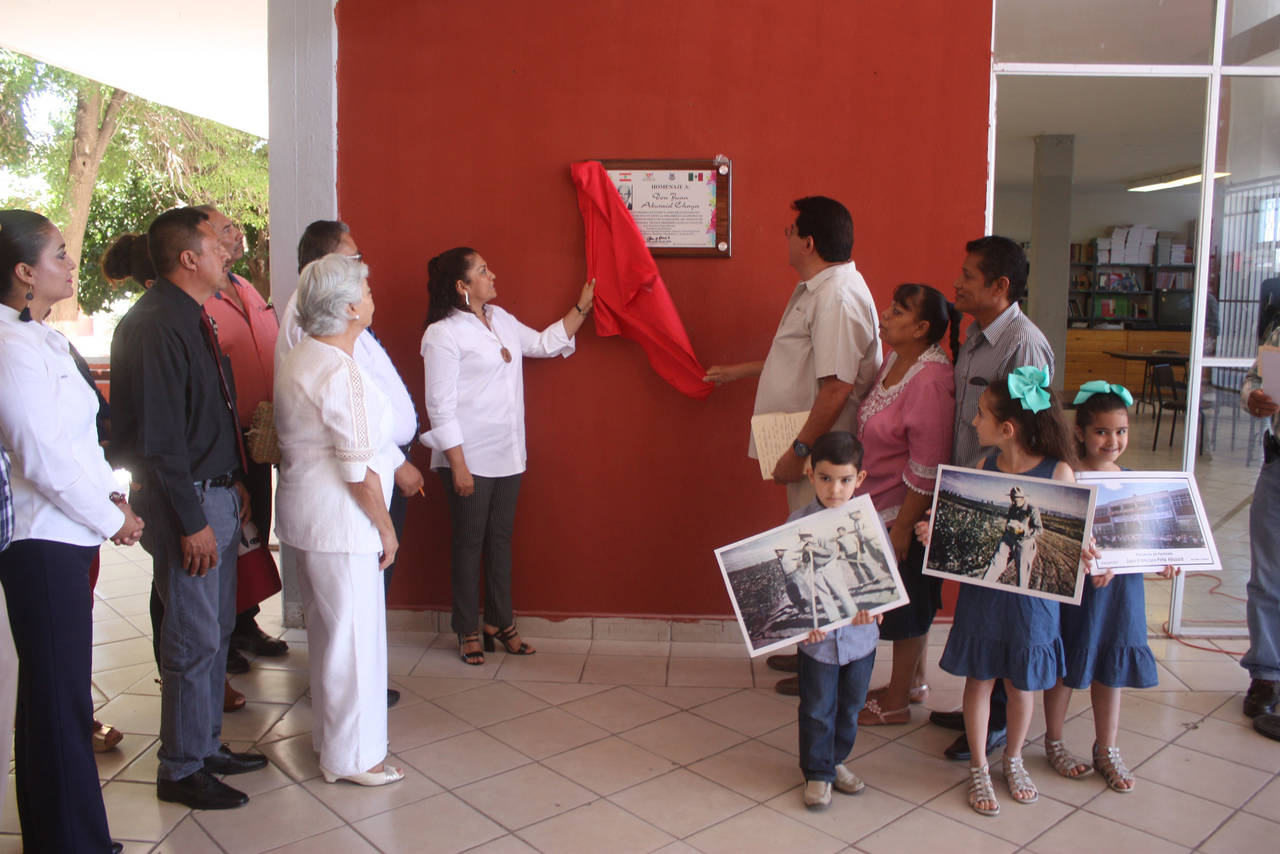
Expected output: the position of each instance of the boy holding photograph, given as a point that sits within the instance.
(835, 667)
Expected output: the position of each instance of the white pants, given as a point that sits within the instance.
(347, 636)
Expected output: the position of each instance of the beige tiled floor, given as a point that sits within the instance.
(620, 746)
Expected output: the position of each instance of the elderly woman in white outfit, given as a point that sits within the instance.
(472, 353)
(337, 471)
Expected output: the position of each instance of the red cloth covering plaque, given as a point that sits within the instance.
(631, 299)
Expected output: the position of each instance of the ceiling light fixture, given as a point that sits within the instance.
(1184, 178)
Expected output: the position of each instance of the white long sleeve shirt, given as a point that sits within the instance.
(334, 424)
(61, 482)
(475, 397)
(373, 358)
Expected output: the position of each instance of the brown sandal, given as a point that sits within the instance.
(105, 737)
(232, 700)
(872, 715)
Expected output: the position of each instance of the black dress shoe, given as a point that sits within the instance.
(959, 749)
(201, 791)
(236, 663)
(948, 720)
(116, 847)
(393, 697)
(1268, 725)
(789, 686)
(258, 642)
(1262, 698)
(785, 663)
(226, 762)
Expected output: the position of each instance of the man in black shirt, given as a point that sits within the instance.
(174, 426)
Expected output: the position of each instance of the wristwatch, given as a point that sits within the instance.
(800, 449)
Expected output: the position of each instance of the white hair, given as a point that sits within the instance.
(326, 287)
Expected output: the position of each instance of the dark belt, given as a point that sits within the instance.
(222, 481)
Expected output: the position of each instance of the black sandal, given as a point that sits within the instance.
(505, 636)
(475, 657)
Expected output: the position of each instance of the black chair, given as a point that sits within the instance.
(1171, 396)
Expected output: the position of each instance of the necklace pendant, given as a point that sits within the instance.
(506, 355)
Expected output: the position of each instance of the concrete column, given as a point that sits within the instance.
(1051, 242)
(302, 46)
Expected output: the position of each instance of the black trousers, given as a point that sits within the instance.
(59, 800)
(482, 526)
(399, 505)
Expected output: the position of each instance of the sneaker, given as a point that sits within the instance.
(847, 782)
(817, 794)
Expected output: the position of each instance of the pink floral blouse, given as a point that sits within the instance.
(906, 431)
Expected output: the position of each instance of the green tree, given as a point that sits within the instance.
(136, 158)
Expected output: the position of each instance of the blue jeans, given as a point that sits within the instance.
(195, 633)
(1263, 608)
(831, 695)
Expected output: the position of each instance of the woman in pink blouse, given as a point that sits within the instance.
(905, 425)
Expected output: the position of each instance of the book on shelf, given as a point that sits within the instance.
(1170, 280)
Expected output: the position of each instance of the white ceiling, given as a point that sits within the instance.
(209, 59)
(1119, 31)
(1125, 128)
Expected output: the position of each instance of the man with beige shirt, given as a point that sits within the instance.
(824, 356)
(826, 352)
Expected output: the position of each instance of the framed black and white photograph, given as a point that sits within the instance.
(1010, 532)
(1145, 521)
(814, 573)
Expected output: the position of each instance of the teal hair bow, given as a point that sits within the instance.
(1093, 387)
(1030, 385)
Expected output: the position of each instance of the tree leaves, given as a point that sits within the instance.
(157, 158)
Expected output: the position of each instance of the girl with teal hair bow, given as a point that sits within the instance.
(998, 633)
(1105, 637)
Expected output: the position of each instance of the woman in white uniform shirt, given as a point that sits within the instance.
(472, 353)
(66, 503)
(338, 466)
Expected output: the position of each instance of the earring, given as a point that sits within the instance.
(466, 296)
(25, 314)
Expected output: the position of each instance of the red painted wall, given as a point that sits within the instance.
(457, 124)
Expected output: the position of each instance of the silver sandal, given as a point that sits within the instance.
(1015, 774)
(1107, 762)
(1072, 767)
(980, 790)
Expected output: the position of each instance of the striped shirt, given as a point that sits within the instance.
(1010, 341)
(1253, 380)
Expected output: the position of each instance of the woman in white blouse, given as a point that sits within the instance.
(472, 352)
(338, 467)
(65, 504)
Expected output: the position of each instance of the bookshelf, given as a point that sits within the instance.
(1130, 296)
(1136, 278)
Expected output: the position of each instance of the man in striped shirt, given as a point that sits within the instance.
(992, 279)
